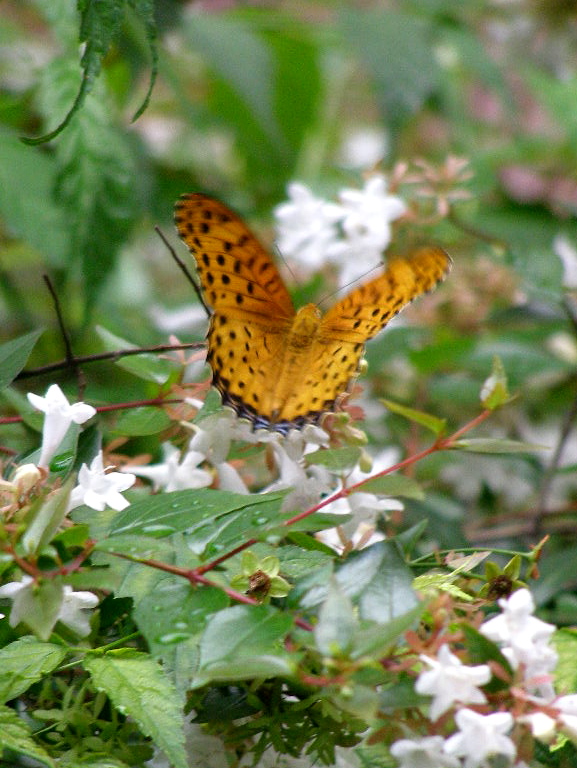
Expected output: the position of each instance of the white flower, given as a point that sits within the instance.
(542, 726)
(450, 681)
(516, 624)
(363, 148)
(567, 252)
(306, 226)
(366, 222)
(423, 753)
(174, 474)
(72, 609)
(98, 489)
(524, 640)
(480, 737)
(59, 416)
(567, 706)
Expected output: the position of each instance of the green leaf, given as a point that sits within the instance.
(27, 205)
(95, 180)
(23, 663)
(335, 459)
(142, 421)
(481, 650)
(408, 73)
(139, 688)
(146, 366)
(496, 445)
(47, 518)
(174, 612)
(15, 353)
(377, 640)
(436, 425)
(494, 392)
(565, 643)
(212, 519)
(16, 736)
(393, 485)
(377, 578)
(335, 628)
(244, 642)
(99, 24)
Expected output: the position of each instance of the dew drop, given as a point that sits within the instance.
(170, 638)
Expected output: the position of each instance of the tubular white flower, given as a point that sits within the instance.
(60, 414)
(423, 753)
(72, 610)
(306, 226)
(366, 222)
(480, 737)
(174, 474)
(99, 490)
(524, 640)
(450, 681)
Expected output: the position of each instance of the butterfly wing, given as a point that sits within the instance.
(252, 309)
(236, 272)
(363, 312)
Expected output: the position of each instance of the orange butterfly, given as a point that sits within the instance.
(280, 368)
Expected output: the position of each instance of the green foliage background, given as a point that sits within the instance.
(237, 100)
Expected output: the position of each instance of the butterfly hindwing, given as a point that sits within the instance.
(363, 312)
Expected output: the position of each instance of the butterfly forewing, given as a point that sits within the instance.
(235, 271)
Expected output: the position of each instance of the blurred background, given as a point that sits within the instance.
(251, 96)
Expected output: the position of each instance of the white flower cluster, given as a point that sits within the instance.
(523, 640)
(352, 233)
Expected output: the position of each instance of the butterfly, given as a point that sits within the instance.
(278, 367)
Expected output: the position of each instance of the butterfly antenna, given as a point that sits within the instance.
(280, 257)
(184, 268)
(352, 282)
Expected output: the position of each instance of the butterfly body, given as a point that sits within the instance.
(277, 367)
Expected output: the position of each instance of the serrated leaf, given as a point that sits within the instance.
(243, 642)
(146, 366)
(335, 459)
(14, 354)
(94, 182)
(137, 686)
(436, 425)
(16, 736)
(393, 485)
(142, 421)
(24, 662)
(99, 24)
(496, 445)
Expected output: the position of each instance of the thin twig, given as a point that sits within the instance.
(30, 373)
(71, 361)
(185, 270)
